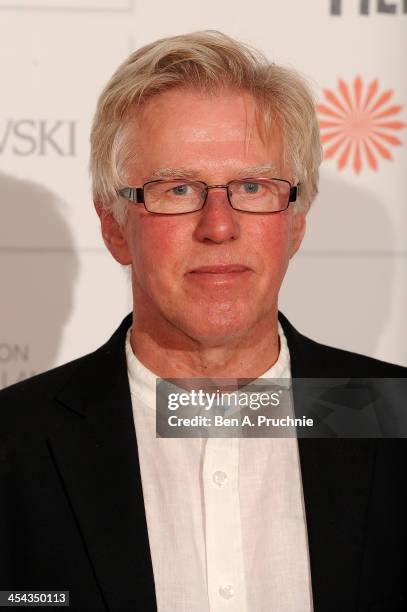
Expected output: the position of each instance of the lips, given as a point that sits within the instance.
(220, 269)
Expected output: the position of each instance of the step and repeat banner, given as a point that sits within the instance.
(62, 294)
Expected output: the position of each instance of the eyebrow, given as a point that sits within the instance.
(187, 173)
(167, 173)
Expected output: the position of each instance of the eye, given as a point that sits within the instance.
(180, 190)
(251, 188)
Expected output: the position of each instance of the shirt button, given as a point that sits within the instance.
(226, 591)
(220, 478)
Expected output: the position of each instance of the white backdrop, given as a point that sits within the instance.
(61, 292)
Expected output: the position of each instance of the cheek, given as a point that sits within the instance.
(272, 237)
(156, 245)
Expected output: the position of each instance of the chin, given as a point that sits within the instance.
(217, 330)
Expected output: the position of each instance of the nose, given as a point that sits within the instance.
(218, 221)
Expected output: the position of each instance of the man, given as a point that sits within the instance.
(204, 163)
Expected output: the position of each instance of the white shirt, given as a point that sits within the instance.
(225, 516)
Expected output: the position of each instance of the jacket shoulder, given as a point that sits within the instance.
(39, 403)
(89, 368)
(44, 383)
(314, 359)
(29, 406)
(361, 365)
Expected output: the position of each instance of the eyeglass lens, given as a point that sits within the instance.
(252, 195)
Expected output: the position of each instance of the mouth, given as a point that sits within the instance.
(221, 269)
(219, 274)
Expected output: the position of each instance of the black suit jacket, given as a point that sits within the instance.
(72, 514)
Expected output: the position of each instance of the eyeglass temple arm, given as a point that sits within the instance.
(294, 192)
(134, 194)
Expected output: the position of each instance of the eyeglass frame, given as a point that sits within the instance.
(135, 195)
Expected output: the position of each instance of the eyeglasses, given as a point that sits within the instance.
(177, 197)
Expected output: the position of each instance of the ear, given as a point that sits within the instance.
(113, 234)
(297, 231)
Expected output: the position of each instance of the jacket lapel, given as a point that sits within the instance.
(96, 454)
(337, 478)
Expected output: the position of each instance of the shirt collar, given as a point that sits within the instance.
(143, 381)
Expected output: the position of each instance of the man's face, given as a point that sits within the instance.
(216, 139)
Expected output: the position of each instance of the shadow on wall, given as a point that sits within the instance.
(39, 268)
(340, 285)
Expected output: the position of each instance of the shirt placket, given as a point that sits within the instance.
(223, 532)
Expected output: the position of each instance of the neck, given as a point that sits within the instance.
(170, 353)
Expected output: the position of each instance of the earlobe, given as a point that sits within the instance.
(298, 231)
(98, 207)
(113, 235)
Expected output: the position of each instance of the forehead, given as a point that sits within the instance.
(231, 110)
(190, 129)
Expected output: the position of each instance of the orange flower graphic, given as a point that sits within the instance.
(358, 123)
